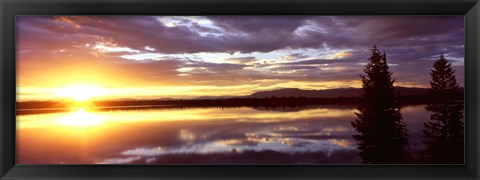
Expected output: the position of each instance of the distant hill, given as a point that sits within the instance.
(295, 92)
(333, 93)
(217, 97)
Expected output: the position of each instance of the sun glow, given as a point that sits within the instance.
(81, 92)
(81, 118)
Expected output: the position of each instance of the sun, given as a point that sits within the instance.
(81, 92)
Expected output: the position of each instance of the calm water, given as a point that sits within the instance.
(314, 135)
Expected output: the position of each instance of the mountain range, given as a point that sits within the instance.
(329, 93)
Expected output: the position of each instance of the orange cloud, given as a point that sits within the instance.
(68, 20)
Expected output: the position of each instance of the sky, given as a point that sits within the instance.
(191, 56)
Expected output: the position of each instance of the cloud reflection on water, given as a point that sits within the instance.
(199, 136)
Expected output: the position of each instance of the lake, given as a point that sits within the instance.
(243, 135)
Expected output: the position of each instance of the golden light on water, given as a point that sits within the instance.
(80, 118)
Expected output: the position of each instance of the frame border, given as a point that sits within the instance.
(11, 8)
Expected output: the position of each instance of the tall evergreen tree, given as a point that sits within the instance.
(443, 134)
(382, 136)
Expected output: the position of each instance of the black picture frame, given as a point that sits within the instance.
(11, 8)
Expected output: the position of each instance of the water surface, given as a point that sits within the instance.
(244, 135)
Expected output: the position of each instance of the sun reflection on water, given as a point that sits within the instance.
(128, 136)
(80, 118)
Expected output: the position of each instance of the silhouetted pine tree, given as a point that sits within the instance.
(443, 134)
(382, 135)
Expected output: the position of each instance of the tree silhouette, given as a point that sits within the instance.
(382, 135)
(443, 134)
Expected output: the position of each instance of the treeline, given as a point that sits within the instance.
(271, 101)
(228, 102)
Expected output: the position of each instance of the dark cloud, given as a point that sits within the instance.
(260, 34)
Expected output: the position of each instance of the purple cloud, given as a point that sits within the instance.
(240, 48)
